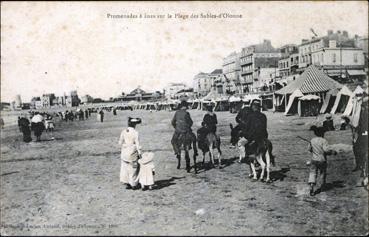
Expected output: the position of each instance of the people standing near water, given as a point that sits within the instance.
(131, 151)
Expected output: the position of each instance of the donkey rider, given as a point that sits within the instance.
(254, 128)
(182, 123)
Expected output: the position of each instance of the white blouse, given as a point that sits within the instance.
(130, 144)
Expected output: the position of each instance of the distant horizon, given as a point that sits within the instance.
(57, 47)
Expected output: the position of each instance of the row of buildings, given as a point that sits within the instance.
(261, 67)
(50, 100)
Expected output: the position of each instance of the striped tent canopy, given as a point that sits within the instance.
(312, 80)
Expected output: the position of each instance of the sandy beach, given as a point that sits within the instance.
(70, 185)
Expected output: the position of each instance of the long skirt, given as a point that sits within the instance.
(129, 173)
(26, 134)
(38, 128)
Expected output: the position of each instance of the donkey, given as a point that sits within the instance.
(208, 142)
(264, 159)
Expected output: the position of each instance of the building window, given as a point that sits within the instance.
(355, 57)
(334, 57)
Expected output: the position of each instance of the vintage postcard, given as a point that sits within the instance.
(184, 118)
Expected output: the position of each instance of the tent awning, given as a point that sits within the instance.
(312, 80)
(309, 97)
(356, 72)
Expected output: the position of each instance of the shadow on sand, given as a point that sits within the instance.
(208, 165)
(165, 182)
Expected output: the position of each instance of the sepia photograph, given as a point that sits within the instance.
(174, 118)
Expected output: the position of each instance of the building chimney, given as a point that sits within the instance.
(345, 33)
(330, 32)
(304, 40)
(338, 32)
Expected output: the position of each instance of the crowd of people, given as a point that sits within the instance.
(38, 122)
(253, 137)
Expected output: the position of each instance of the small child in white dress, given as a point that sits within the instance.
(147, 171)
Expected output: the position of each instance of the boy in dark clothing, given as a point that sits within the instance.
(328, 123)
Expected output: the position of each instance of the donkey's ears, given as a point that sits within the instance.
(231, 125)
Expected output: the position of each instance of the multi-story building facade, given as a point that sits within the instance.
(232, 72)
(217, 79)
(309, 47)
(202, 84)
(288, 64)
(86, 99)
(47, 100)
(257, 63)
(60, 101)
(340, 63)
(171, 90)
(72, 100)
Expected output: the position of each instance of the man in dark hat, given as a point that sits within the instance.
(182, 124)
(210, 120)
(255, 127)
(328, 123)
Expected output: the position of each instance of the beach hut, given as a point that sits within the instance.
(344, 98)
(235, 103)
(311, 81)
(292, 107)
(329, 100)
(222, 104)
(308, 105)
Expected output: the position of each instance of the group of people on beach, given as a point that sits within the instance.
(39, 122)
(136, 171)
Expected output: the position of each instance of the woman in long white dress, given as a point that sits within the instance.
(131, 151)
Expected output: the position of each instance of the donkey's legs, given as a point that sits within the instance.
(267, 159)
(179, 160)
(194, 162)
(262, 164)
(211, 151)
(252, 167)
(187, 157)
(219, 156)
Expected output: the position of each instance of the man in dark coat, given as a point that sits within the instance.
(241, 117)
(182, 124)
(210, 120)
(255, 128)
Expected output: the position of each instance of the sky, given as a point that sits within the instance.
(56, 47)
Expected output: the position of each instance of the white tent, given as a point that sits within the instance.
(308, 105)
(359, 90)
(234, 99)
(329, 100)
(340, 101)
(296, 94)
